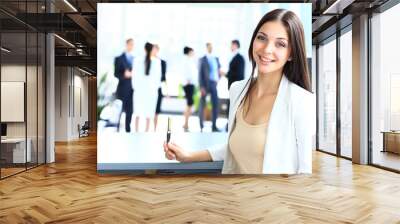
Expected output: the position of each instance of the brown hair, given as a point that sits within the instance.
(129, 40)
(295, 70)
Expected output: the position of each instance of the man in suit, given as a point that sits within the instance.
(209, 74)
(123, 71)
(236, 65)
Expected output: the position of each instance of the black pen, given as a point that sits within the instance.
(169, 130)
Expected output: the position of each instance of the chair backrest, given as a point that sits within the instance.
(86, 125)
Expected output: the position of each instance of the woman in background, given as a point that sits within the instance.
(146, 81)
(190, 75)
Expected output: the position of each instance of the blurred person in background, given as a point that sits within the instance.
(146, 82)
(123, 71)
(236, 67)
(190, 74)
(163, 80)
(209, 74)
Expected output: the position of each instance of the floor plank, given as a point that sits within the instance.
(71, 191)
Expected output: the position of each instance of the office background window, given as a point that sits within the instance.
(13, 80)
(327, 95)
(23, 76)
(385, 84)
(192, 24)
(346, 93)
(314, 69)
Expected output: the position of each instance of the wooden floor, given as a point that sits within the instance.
(10, 171)
(5, 172)
(387, 159)
(70, 191)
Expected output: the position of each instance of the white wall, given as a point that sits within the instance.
(33, 126)
(314, 87)
(71, 102)
(13, 73)
(61, 103)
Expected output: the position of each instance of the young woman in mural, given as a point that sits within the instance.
(272, 115)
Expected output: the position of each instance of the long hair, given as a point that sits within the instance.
(148, 47)
(295, 70)
(187, 50)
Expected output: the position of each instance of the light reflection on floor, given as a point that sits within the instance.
(386, 159)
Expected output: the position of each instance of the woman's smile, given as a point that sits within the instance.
(264, 60)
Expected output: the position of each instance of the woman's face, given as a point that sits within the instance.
(191, 53)
(271, 48)
(154, 51)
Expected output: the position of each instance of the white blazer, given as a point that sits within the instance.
(288, 148)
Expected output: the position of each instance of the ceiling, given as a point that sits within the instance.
(75, 21)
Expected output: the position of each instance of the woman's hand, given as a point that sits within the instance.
(173, 151)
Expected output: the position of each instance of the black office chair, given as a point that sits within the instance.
(84, 130)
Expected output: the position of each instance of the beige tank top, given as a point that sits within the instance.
(246, 144)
